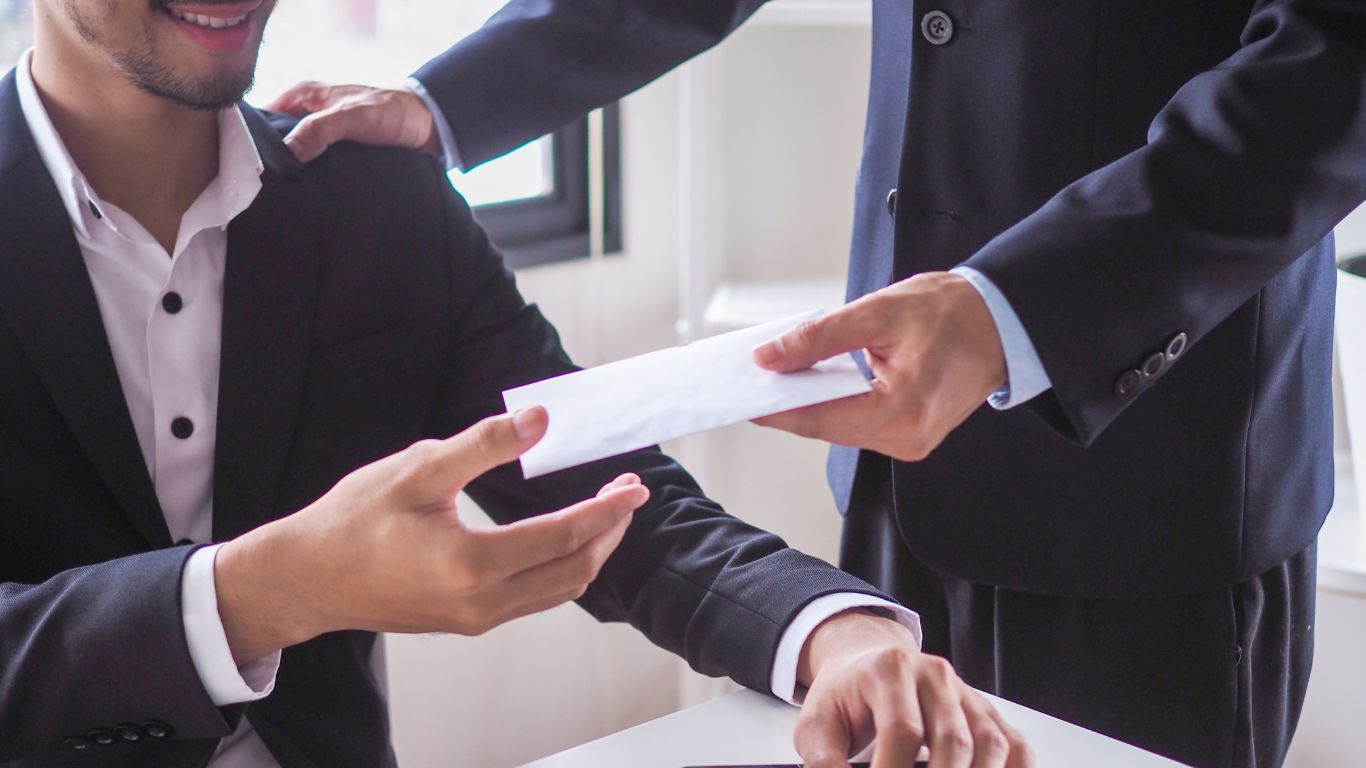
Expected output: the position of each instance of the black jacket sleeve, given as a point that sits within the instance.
(96, 647)
(539, 64)
(1246, 168)
(693, 579)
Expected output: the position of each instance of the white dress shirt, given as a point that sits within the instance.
(167, 363)
(163, 313)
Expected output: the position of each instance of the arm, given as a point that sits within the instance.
(538, 64)
(1248, 167)
(96, 647)
(535, 66)
(1245, 169)
(727, 597)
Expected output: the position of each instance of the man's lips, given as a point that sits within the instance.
(217, 27)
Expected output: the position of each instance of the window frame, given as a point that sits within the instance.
(554, 227)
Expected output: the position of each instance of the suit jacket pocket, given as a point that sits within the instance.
(396, 347)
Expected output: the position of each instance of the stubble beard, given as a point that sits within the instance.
(143, 68)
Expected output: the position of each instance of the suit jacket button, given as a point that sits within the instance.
(156, 729)
(1176, 346)
(1127, 383)
(891, 202)
(102, 736)
(76, 744)
(1154, 364)
(937, 27)
(128, 732)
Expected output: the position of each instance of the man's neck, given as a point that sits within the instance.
(145, 154)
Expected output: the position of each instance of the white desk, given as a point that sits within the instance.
(746, 727)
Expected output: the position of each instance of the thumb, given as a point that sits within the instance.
(442, 468)
(814, 340)
(315, 133)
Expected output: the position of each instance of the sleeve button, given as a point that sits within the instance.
(76, 744)
(102, 736)
(1127, 383)
(128, 732)
(156, 729)
(1154, 365)
(1176, 346)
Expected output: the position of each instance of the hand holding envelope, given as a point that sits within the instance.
(641, 401)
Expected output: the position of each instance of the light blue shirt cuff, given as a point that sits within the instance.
(1025, 376)
(450, 153)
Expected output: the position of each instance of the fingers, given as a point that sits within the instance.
(844, 330)
(434, 471)
(941, 704)
(294, 101)
(847, 421)
(630, 478)
(523, 545)
(549, 584)
(1021, 754)
(900, 728)
(822, 737)
(315, 133)
(991, 742)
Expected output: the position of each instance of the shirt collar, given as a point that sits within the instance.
(231, 192)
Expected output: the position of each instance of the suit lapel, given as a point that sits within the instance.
(48, 300)
(268, 310)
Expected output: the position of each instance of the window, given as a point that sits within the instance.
(533, 201)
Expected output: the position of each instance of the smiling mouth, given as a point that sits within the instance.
(214, 22)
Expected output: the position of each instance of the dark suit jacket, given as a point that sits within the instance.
(363, 310)
(1125, 172)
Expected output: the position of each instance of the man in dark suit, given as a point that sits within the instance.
(1134, 202)
(200, 339)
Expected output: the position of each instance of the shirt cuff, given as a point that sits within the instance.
(225, 682)
(450, 153)
(1025, 377)
(784, 679)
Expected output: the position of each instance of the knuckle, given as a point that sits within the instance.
(989, 740)
(957, 739)
(906, 728)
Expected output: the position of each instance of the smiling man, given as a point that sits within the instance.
(200, 339)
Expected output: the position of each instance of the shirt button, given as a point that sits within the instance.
(937, 27)
(182, 427)
(172, 302)
(93, 209)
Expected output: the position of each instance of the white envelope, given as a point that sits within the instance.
(641, 401)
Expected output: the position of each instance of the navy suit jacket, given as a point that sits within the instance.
(364, 309)
(1125, 172)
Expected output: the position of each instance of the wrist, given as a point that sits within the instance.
(847, 634)
(264, 598)
(971, 319)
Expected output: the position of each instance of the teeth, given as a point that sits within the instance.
(215, 22)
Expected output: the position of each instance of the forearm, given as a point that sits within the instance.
(536, 66)
(1248, 167)
(125, 618)
(268, 598)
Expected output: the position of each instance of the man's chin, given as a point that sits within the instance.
(204, 92)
